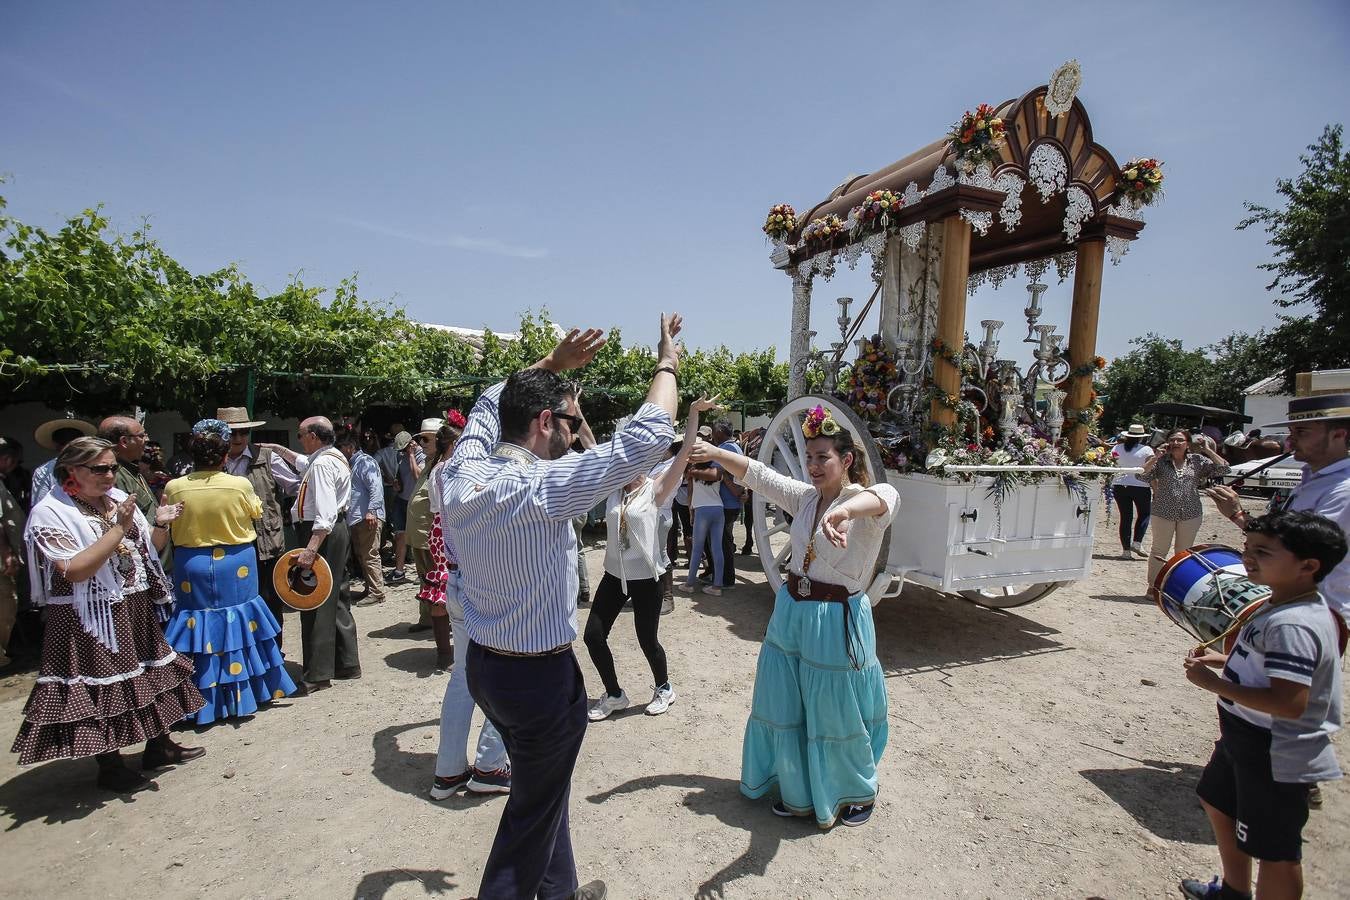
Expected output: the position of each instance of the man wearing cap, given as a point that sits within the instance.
(411, 459)
(261, 468)
(328, 633)
(54, 436)
(1318, 432)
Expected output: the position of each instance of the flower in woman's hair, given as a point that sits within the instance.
(455, 418)
(829, 427)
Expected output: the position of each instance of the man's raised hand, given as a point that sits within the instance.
(575, 350)
(667, 351)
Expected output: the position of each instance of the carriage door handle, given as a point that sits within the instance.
(971, 514)
(1083, 511)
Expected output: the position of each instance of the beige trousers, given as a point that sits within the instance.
(1170, 537)
(366, 548)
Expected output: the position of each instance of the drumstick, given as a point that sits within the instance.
(1257, 471)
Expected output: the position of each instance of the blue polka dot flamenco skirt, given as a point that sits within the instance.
(226, 629)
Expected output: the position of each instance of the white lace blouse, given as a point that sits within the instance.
(850, 566)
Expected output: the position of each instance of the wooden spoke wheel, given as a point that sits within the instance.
(784, 450)
(1010, 595)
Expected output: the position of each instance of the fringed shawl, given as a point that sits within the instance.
(57, 531)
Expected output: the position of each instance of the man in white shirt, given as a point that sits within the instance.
(328, 633)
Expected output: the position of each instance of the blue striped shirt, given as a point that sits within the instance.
(511, 523)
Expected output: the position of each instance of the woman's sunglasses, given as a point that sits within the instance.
(100, 470)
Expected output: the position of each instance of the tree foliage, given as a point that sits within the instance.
(96, 321)
(1310, 236)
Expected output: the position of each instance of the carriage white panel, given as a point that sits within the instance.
(948, 535)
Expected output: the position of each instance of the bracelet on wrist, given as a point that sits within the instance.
(670, 369)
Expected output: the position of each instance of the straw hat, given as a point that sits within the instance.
(1135, 431)
(45, 434)
(300, 588)
(236, 417)
(1323, 408)
(430, 426)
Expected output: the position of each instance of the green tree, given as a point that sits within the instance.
(1310, 236)
(1157, 369)
(1239, 361)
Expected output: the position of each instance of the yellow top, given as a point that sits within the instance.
(218, 509)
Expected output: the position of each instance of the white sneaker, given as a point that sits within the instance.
(1138, 548)
(661, 700)
(602, 708)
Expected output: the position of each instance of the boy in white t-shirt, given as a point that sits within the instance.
(1279, 704)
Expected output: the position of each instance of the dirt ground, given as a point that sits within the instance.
(1049, 751)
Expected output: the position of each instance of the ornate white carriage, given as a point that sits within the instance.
(1044, 195)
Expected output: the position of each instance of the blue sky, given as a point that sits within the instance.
(611, 159)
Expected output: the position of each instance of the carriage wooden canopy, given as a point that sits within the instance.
(1089, 166)
(1051, 190)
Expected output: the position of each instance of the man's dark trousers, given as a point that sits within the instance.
(328, 634)
(729, 546)
(538, 704)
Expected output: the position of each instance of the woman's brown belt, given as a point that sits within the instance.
(835, 593)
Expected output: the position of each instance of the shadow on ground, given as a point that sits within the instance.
(411, 772)
(721, 798)
(927, 631)
(1160, 796)
(374, 885)
(1124, 598)
(399, 632)
(419, 661)
(58, 792)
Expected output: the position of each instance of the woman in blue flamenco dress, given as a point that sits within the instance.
(818, 718)
(219, 620)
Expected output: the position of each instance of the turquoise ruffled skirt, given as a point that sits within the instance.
(817, 725)
(225, 628)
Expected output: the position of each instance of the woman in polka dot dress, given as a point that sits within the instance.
(108, 678)
(219, 619)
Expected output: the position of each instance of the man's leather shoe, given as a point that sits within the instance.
(591, 890)
(348, 674)
(313, 686)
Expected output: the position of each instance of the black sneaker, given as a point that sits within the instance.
(398, 576)
(445, 787)
(1196, 889)
(853, 816)
(123, 780)
(591, 890)
(783, 812)
(497, 781)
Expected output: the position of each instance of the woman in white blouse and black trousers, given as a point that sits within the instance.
(635, 560)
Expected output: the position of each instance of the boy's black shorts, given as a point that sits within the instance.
(1270, 814)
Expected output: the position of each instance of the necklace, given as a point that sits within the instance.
(124, 564)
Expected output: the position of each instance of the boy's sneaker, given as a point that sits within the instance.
(853, 816)
(661, 700)
(667, 606)
(445, 786)
(1137, 547)
(606, 705)
(498, 781)
(398, 576)
(684, 587)
(1195, 889)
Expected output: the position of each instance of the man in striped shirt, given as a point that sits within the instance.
(511, 491)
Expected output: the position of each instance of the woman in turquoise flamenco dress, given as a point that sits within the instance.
(219, 619)
(818, 718)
